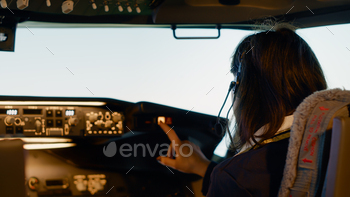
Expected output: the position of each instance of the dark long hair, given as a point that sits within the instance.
(279, 70)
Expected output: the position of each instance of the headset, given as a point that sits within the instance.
(233, 86)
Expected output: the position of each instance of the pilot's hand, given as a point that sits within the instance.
(188, 156)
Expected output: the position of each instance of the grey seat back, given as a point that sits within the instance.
(337, 181)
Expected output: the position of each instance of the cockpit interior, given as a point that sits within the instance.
(55, 144)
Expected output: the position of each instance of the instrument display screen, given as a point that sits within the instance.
(70, 112)
(32, 111)
(12, 111)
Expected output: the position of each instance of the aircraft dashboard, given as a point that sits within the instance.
(100, 146)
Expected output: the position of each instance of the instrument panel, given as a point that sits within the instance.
(22, 116)
(61, 120)
(66, 140)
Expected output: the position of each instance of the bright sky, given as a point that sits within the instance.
(146, 64)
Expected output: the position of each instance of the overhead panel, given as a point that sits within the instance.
(227, 13)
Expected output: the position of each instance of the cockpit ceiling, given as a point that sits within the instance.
(160, 13)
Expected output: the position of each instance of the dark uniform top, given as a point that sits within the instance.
(257, 172)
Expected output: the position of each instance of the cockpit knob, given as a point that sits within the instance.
(108, 123)
(138, 10)
(38, 125)
(93, 4)
(3, 4)
(129, 9)
(116, 117)
(73, 121)
(9, 120)
(93, 117)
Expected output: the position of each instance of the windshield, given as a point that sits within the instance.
(146, 64)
